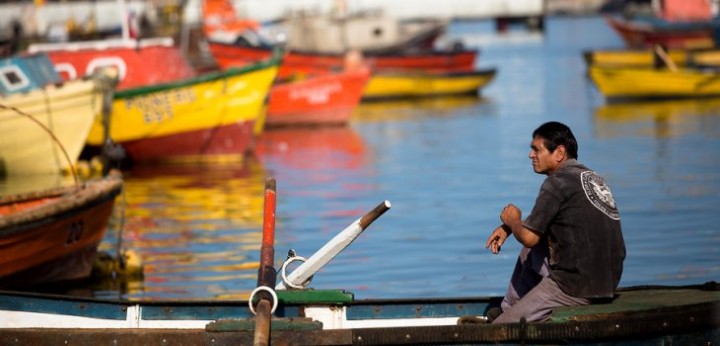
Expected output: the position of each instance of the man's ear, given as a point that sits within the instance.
(560, 153)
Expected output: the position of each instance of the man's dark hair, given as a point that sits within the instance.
(555, 134)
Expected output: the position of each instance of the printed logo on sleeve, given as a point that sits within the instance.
(598, 192)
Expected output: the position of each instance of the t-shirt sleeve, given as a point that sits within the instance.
(546, 208)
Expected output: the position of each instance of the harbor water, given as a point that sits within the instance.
(448, 166)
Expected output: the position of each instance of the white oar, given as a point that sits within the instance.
(321, 257)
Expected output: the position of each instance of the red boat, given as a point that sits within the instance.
(320, 100)
(296, 62)
(138, 62)
(52, 235)
(648, 32)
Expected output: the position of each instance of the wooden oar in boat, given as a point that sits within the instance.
(305, 271)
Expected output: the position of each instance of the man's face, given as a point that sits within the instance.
(543, 160)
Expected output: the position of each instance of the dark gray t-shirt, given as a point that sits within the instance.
(576, 211)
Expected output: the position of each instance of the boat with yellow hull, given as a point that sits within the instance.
(616, 83)
(631, 57)
(389, 85)
(210, 115)
(647, 57)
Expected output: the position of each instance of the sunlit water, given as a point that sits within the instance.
(448, 166)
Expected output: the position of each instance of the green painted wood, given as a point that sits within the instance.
(314, 296)
(209, 77)
(638, 301)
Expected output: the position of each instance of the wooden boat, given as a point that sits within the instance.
(369, 31)
(643, 58)
(646, 58)
(192, 119)
(640, 315)
(304, 63)
(408, 84)
(336, 32)
(320, 100)
(647, 32)
(139, 62)
(43, 122)
(52, 235)
(616, 83)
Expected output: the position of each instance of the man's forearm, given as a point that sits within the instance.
(525, 236)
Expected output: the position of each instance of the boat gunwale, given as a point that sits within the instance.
(273, 62)
(294, 298)
(689, 324)
(368, 55)
(70, 200)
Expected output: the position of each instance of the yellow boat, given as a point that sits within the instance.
(44, 130)
(709, 57)
(631, 57)
(208, 116)
(387, 85)
(646, 57)
(655, 83)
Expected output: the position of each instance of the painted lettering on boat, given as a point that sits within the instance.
(158, 107)
(316, 95)
(74, 232)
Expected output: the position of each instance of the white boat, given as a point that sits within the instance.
(43, 129)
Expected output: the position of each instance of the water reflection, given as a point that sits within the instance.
(197, 228)
(661, 119)
(327, 169)
(309, 148)
(408, 109)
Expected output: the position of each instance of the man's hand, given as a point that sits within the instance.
(512, 222)
(497, 238)
(510, 215)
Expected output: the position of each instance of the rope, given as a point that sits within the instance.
(51, 134)
(51, 128)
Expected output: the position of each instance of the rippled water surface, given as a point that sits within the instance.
(448, 166)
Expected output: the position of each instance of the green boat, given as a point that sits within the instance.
(649, 315)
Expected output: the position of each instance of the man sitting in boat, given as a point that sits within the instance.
(573, 248)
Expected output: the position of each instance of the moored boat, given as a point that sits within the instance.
(328, 99)
(647, 32)
(617, 83)
(336, 32)
(638, 315)
(649, 57)
(208, 115)
(44, 122)
(368, 31)
(391, 85)
(303, 62)
(633, 57)
(52, 235)
(139, 63)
